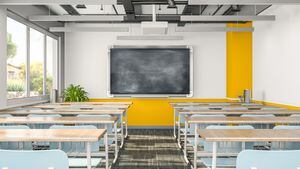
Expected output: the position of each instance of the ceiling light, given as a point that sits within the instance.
(81, 6)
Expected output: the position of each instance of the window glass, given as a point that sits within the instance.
(16, 59)
(51, 66)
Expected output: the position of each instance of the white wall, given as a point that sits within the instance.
(2, 57)
(277, 57)
(86, 61)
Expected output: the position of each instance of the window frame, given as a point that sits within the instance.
(28, 100)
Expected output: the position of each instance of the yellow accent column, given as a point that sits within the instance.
(239, 61)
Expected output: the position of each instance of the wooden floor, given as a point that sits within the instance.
(150, 149)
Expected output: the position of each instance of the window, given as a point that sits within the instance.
(31, 61)
(51, 59)
(16, 59)
(36, 63)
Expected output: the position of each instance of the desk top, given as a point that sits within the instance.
(58, 120)
(62, 112)
(79, 106)
(243, 120)
(264, 135)
(186, 104)
(239, 112)
(94, 103)
(51, 135)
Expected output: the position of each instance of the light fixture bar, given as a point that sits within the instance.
(227, 18)
(57, 2)
(89, 29)
(243, 2)
(74, 18)
(213, 29)
(152, 37)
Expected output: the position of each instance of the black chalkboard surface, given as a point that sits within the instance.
(149, 71)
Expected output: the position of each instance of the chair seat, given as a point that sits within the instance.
(82, 162)
(221, 162)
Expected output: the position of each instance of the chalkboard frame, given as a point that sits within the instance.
(151, 47)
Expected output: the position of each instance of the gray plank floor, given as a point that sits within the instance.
(150, 149)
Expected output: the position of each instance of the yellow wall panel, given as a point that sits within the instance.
(239, 61)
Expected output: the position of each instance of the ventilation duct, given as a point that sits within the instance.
(154, 27)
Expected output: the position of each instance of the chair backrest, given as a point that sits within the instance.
(50, 159)
(74, 146)
(257, 115)
(42, 126)
(260, 126)
(15, 145)
(235, 108)
(109, 127)
(272, 108)
(203, 126)
(5, 115)
(286, 145)
(257, 159)
(231, 147)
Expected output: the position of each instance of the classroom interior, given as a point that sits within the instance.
(149, 84)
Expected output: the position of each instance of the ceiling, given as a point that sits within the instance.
(141, 10)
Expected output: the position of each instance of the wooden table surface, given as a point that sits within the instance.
(78, 107)
(64, 112)
(239, 112)
(186, 104)
(94, 103)
(264, 135)
(58, 120)
(243, 120)
(51, 135)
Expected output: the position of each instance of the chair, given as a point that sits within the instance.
(49, 159)
(286, 145)
(182, 120)
(191, 129)
(226, 147)
(260, 126)
(108, 127)
(42, 126)
(257, 159)
(15, 145)
(77, 147)
(5, 115)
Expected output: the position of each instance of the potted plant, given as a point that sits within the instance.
(75, 93)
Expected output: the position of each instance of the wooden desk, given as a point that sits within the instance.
(265, 135)
(57, 135)
(238, 112)
(119, 113)
(95, 103)
(79, 106)
(67, 120)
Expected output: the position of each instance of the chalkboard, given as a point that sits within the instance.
(163, 71)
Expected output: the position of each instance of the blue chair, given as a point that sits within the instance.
(286, 145)
(109, 127)
(5, 115)
(15, 145)
(77, 147)
(50, 159)
(260, 126)
(191, 129)
(226, 147)
(257, 159)
(42, 126)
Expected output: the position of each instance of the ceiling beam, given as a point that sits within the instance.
(129, 9)
(76, 18)
(229, 18)
(217, 10)
(243, 2)
(57, 2)
(190, 10)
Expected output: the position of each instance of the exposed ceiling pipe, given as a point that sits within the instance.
(171, 4)
(153, 13)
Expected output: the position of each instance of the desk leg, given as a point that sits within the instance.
(122, 132)
(214, 156)
(88, 155)
(174, 127)
(185, 142)
(116, 142)
(106, 150)
(178, 134)
(126, 124)
(195, 147)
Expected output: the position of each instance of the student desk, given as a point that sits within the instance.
(57, 135)
(182, 112)
(67, 120)
(66, 112)
(75, 106)
(263, 135)
(233, 120)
